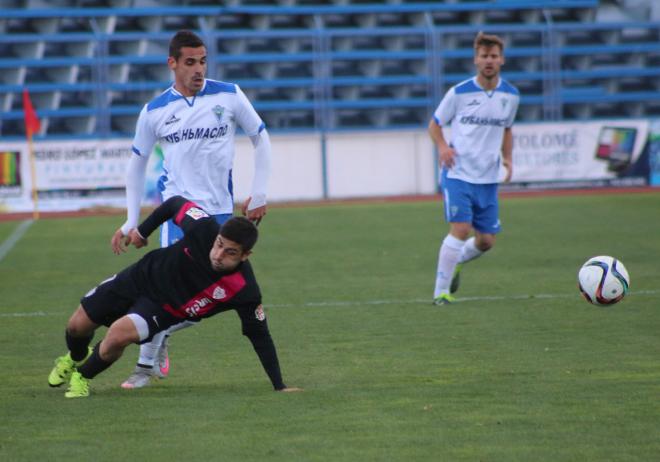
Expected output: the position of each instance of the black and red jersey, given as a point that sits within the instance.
(180, 277)
(181, 280)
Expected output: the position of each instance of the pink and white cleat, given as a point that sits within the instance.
(138, 379)
(163, 359)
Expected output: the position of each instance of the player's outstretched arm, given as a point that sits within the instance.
(138, 236)
(255, 328)
(171, 208)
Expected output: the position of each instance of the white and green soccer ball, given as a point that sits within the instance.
(603, 280)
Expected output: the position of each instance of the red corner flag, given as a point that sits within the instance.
(32, 124)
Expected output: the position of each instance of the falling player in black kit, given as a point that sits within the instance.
(205, 273)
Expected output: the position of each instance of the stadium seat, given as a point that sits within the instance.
(286, 53)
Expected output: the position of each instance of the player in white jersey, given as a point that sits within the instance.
(194, 122)
(481, 112)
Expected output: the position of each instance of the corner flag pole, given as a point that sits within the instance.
(32, 126)
(33, 176)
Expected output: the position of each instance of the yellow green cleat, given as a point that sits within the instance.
(444, 299)
(78, 386)
(64, 367)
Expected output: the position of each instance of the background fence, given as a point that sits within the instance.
(320, 65)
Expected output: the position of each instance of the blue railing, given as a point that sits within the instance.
(316, 82)
(422, 7)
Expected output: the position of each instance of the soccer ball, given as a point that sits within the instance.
(603, 280)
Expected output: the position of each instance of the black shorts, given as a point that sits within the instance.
(116, 297)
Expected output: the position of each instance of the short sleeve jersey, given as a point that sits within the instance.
(196, 135)
(478, 119)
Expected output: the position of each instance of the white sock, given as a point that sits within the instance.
(149, 350)
(181, 325)
(469, 251)
(450, 252)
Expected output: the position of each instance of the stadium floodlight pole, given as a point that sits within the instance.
(322, 94)
(32, 126)
(435, 65)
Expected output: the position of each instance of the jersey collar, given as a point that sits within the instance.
(489, 93)
(190, 101)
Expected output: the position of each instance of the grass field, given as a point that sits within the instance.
(520, 369)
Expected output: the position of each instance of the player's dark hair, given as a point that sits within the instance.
(184, 38)
(486, 40)
(240, 230)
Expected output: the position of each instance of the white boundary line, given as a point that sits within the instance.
(377, 302)
(11, 241)
(458, 300)
(27, 315)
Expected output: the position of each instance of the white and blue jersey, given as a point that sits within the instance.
(478, 119)
(196, 135)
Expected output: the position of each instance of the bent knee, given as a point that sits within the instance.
(117, 340)
(460, 231)
(122, 333)
(80, 325)
(485, 244)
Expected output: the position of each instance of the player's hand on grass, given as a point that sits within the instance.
(291, 390)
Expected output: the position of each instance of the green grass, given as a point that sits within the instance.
(520, 369)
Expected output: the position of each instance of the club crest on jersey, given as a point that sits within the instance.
(196, 213)
(504, 102)
(219, 293)
(218, 111)
(259, 313)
